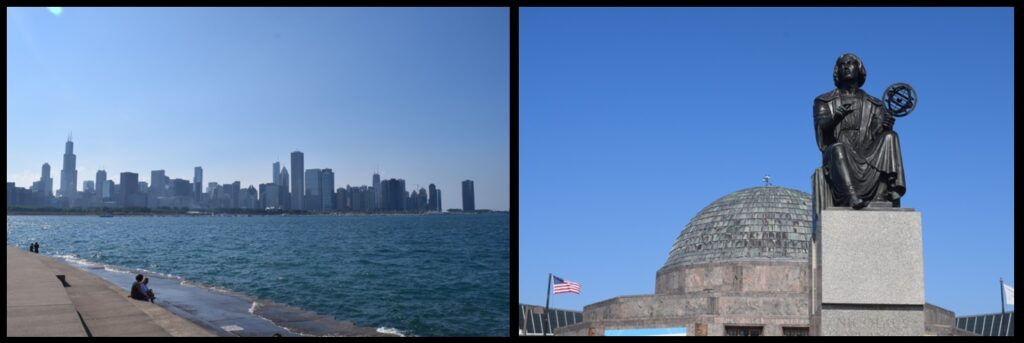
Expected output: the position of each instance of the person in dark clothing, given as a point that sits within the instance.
(137, 292)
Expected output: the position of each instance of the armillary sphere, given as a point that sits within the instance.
(899, 99)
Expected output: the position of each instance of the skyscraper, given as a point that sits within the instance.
(439, 208)
(467, 196)
(394, 195)
(313, 201)
(297, 185)
(421, 200)
(156, 187)
(432, 198)
(88, 186)
(359, 199)
(46, 181)
(270, 195)
(108, 190)
(129, 189)
(197, 182)
(327, 189)
(180, 188)
(214, 195)
(277, 173)
(249, 198)
(234, 191)
(342, 201)
(69, 175)
(101, 184)
(285, 197)
(377, 198)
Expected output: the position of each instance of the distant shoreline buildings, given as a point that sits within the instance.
(312, 190)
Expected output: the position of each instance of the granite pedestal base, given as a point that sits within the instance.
(868, 273)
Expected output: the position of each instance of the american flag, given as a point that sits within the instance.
(565, 286)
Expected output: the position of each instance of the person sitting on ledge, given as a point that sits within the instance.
(148, 292)
(137, 289)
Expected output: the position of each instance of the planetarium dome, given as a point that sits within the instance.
(764, 230)
(741, 266)
(768, 222)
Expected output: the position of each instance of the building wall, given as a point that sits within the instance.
(749, 276)
(770, 310)
(941, 322)
(768, 294)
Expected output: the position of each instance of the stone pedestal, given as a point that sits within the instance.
(868, 272)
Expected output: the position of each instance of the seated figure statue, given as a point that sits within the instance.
(861, 160)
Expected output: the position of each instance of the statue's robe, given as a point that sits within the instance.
(870, 153)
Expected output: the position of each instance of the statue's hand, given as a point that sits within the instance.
(888, 122)
(844, 110)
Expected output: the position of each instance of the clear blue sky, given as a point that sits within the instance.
(423, 93)
(633, 120)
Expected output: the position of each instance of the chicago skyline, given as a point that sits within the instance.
(425, 96)
(317, 185)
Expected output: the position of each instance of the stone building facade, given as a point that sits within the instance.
(740, 267)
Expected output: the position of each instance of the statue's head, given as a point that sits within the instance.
(849, 70)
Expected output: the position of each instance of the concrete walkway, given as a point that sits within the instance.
(38, 304)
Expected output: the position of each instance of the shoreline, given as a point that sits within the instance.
(224, 312)
(342, 267)
(87, 304)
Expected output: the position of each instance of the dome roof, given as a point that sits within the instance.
(760, 223)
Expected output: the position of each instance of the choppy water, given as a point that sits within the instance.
(432, 275)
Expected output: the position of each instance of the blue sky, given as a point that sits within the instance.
(632, 120)
(423, 93)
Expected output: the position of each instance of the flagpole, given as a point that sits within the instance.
(547, 305)
(1002, 295)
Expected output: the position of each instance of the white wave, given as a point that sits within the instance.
(80, 261)
(390, 331)
(253, 307)
(158, 274)
(231, 328)
(275, 323)
(116, 270)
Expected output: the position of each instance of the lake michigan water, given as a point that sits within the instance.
(418, 275)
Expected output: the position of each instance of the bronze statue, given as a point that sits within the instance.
(861, 160)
